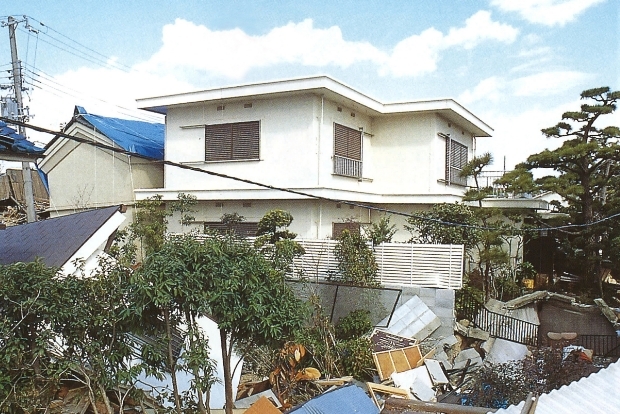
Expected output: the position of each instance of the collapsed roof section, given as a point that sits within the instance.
(15, 147)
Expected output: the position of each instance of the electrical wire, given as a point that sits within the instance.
(291, 191)
(106, 59)
(44, 79)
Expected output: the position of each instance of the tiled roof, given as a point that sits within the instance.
(54, 240)
(144, 138)
(597, 393)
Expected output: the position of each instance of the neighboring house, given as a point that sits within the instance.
(82, 176)
(64, 242)
(318, 136)
(13, 204)
(13, 200)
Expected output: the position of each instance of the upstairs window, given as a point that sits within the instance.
(347, 151)
(456, 158)
(234, 141)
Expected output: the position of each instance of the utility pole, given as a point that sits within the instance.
(17, 85)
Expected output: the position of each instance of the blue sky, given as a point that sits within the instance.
(517, 64)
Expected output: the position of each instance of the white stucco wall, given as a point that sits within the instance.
(288, 145)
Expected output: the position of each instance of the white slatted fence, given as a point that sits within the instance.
(403, 264)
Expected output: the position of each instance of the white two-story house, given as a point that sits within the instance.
(318, 137)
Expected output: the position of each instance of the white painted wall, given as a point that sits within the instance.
(402, 153)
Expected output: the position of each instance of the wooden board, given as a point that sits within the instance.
(396, 360)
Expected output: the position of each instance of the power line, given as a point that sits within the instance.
(46, 80)
(291, 191)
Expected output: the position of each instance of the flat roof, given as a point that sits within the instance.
(323, 86)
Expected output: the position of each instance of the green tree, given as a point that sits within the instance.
(444, 224)
(28, 375)
(586, 166)
(381, 231)
(94, 320)
(150, 224)
(356, 260)
(276, 240)
(229, 280)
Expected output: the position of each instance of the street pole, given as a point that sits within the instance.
(17, 85)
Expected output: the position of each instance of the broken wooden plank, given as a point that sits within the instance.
(397, 360)
(385, 389)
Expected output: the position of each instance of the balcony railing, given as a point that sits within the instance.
(347, 167)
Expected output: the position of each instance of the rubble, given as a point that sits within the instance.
(412, 380)
(413, 319)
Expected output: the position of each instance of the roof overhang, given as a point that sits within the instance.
(20, 157)
(322, 86)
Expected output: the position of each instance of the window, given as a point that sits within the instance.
(338, 228)
(347, 151)
(456, 158)
(244, 228)
(234, 141)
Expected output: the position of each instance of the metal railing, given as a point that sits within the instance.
(347, 167)
(497, 325)
(603, 345)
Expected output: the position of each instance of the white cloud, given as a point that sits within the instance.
(517, 135)
(494, 88)
(415, 55)
(546, 12)
(103, 91)
(233, 53)
(547, 83)
(479, 28)
(419, 54)
(488, 89)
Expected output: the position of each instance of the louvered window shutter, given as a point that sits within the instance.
(347, 142)
(234, 141)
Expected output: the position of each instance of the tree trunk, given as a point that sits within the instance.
(171, 363)
(227, 374)
(191, 321)
(106, 400)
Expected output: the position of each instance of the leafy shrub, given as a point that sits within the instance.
(354, 325)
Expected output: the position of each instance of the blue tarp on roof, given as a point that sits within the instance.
(349, 399)
(11, 141)
(143, 138)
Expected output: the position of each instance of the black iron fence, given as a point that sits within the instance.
(604, 345)
(497, 325)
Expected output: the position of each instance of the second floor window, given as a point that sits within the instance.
(234, 141)
(456, 158)
(347, 151)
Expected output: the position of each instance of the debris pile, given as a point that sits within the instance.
(415, 370)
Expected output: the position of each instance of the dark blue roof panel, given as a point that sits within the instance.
(143, 138)
(349, 399)
(54, 240)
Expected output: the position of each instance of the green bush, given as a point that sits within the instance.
(354, 325)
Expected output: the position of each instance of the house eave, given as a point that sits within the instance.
(321, 86)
